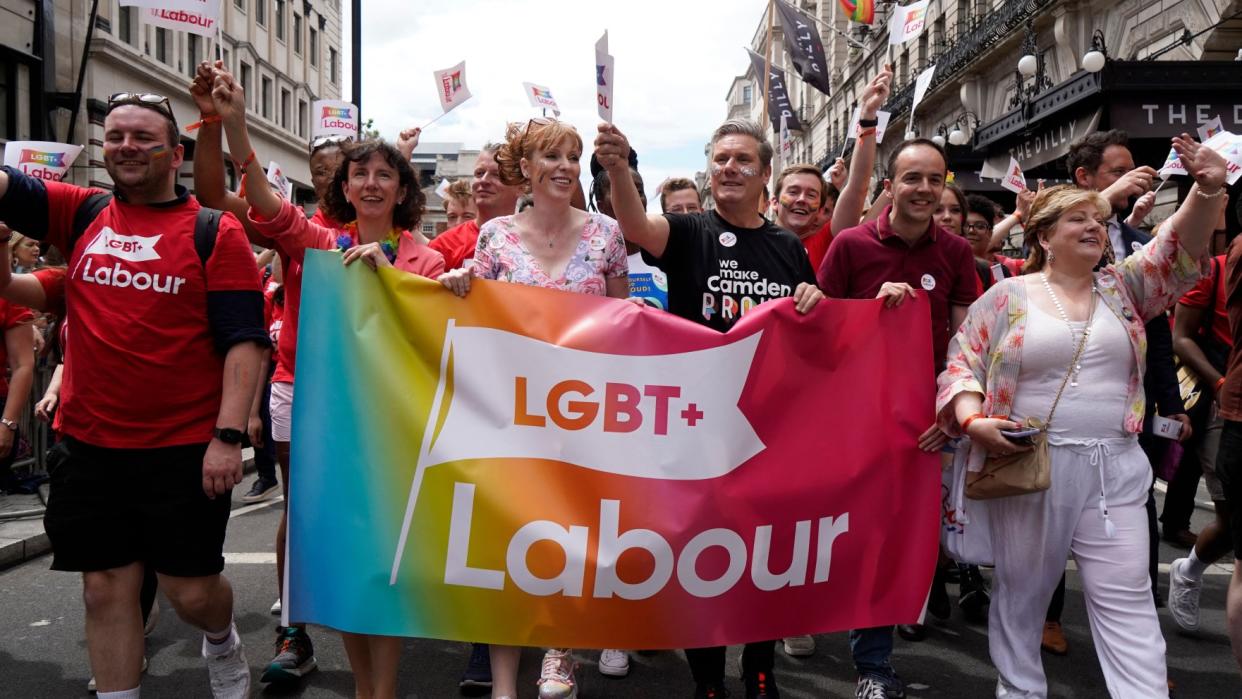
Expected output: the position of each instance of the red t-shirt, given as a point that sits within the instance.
(141, 369)
(273, 313)
(457, 244)
(1201, 295)
(817, 244)
(1013, 264)
(11, 316)
(294, 235)
(862, 258)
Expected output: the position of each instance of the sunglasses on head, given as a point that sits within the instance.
(325, 141)
(150, 100)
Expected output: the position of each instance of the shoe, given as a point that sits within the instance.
(1184, 597)
(710, 691)
(761, 685)
(230, 675)
(478, 672)
(938, 604)
(1054, 639)
(1182, 538)
(261, 490)
(295, 656)
(875, 687)
(614, 663)
(276, 609)
(799, 646)
(152, 617)
(912, 632)
(90, 686)
(974, 598)
(556, 680)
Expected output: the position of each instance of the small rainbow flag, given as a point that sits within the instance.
(336, 112)
(43, 158)
(862, 11)
(545, 94)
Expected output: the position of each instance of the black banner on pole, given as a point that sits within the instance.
(806, 49)
(778, 97)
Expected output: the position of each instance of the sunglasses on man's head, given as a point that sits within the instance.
(150, 100)
(325, 141)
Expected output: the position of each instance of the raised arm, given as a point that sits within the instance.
(1000, 232)
(853, 197)
(649, 232)
(209, 185)
(1196, 218)
(230, 103)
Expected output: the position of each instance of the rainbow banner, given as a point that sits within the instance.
(534, 467)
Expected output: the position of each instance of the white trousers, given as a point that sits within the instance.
(1098, 488)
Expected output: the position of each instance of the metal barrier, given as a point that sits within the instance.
(36, 432)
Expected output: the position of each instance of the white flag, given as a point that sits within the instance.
(1172, 166)
(443, 188)
(451, 86)
(279, 181)
(200, 17)
(1210, 129)
(907, 22)
(334, 118)
(541, 97)
(1014, 180)
(920, 88)
(603, 78)
(43, 159)
(881, 116)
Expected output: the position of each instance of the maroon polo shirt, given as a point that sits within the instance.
(862, 258)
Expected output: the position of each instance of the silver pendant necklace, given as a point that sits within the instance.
(1065, 317)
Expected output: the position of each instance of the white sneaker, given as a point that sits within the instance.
(152, 617)
(614, 663)
(90, 686)
(799, 646)
(556, 680)
(230, 675)
(1184, 597)
(275, 610)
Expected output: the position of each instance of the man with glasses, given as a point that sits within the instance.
(162, 359)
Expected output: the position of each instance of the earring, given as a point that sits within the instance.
(1051, 256)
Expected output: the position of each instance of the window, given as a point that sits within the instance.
(938, 35)
(963, 17)
(247, 83)
(279, 20)
(260, 12)
(284, 108)
(6, 99)
(921, 63)
(314, 46)
(334, 66)
(227, 57)
(191, 52)
(266, 104)
(297, 34)
(125, 28)
(303, 118)
(240, 4)
(161, 45)
(747, 94)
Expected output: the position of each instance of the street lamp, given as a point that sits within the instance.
(938, 139)
(1031, 65)
(962, 128)
(1094, 60)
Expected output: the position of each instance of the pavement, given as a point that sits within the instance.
(43, 652)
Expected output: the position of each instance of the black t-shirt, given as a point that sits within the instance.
(718, 271)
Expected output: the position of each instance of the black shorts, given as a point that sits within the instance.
(108, 508)
(1229, 472)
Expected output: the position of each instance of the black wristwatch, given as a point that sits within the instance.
(229, 435)
(868, 123)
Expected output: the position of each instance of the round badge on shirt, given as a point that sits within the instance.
(728, 239)
(597, 243)
(495, 243)
(1136, 246)
(928, 282)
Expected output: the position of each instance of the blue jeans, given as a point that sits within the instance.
(872, 649)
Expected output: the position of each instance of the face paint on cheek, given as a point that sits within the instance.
(717, 168)
(748, 171)
(158, 151)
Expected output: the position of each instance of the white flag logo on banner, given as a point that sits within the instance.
(1015, 180)
(200, 17)
(451, 86)
(43, 159)
(279, 181)
(907, 22)
(603, 79)
(881, 117)
(334, 118)
(920, 87)
(541, 97)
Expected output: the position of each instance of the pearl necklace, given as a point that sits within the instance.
(1065, 317)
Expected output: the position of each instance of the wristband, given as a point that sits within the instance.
(203, 121)
(868, 122)
(1220, 192)
(246, 163)
(970, 419)
(866, 132)
(1220, 384)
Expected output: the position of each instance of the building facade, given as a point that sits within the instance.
(1169, 67)
(286, 55)
(434, 162)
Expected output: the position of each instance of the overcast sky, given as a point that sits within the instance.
(675, 60)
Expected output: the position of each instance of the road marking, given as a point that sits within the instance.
(1201, 504)
(255, 558)
(257, 506)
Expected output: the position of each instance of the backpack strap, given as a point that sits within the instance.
(206, 228)
(86, 214)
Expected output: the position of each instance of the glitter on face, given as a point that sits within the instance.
(748, 171)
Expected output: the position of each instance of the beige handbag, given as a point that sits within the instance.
(1027, 471)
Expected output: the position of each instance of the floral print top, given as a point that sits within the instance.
(985, 355)
(600, 255)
